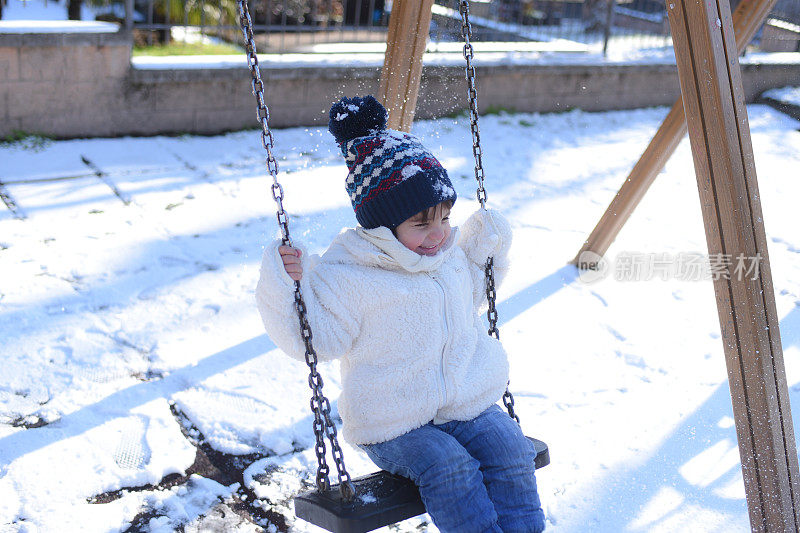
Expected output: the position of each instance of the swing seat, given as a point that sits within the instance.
(381, 499)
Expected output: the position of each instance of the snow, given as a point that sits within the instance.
(32, 15)
(127, 327)
(787, 95)
(657, 16)
(190, 62)
(771, 58)
(441, 59)
(411, 170)
(618, 56)
(56, 26)
(37, 10)
(183, 504)
(784, 25)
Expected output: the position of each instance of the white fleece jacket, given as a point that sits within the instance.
(407, 327)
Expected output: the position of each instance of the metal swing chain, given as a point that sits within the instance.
(472, 93)
(320, 406)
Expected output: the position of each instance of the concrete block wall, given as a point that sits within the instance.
(209, 101)
(52, 83)
(780, 36)
(83, 85)
(549, 88)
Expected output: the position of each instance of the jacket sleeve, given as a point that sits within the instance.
(334, 326)
(485, 233)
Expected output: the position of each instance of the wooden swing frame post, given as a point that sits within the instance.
(713, 99)
(748, 18)
(402, 65)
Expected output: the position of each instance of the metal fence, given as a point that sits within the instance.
(351, 25)
(568, 25)
(280, 25)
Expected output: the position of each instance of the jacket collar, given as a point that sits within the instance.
(390, 253)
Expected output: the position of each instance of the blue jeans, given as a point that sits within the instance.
(474, 477)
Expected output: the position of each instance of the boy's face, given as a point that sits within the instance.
(425, 237)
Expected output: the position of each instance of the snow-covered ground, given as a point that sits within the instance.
(787, 95)
(42, 10)
(130, 336)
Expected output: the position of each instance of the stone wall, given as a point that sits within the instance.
(63, 84)
(780, 36)
(76, 85)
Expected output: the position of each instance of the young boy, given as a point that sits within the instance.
(398, 300)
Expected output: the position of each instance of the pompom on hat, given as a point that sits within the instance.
(392, 176)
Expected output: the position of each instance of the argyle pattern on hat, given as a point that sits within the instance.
(378, 163)
(391, 175)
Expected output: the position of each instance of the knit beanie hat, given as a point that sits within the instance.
(391, 177)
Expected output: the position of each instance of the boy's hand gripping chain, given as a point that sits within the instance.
(321, 407)
(472, 93)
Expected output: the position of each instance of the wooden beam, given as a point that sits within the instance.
(713, 97)
(747, 19)
(402, 65)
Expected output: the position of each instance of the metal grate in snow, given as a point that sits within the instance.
(132, 451)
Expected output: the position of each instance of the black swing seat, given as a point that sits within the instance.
(381, 499)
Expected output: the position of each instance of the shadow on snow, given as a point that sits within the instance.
(658, 491)
(21, 443)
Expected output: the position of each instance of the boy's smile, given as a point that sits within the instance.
(425, 235)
